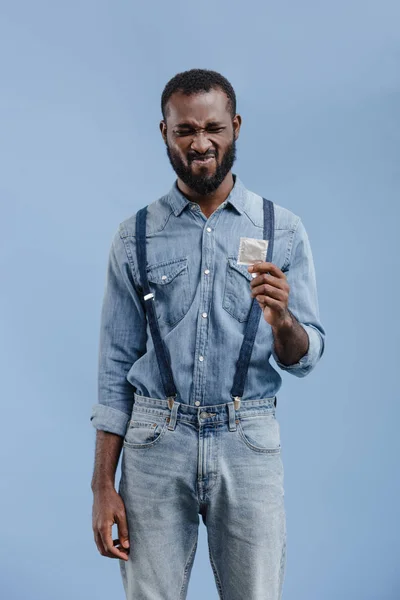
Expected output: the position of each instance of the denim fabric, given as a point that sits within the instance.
(222, 463)
(202, 300)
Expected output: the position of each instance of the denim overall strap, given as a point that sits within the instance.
(255, 313)
(159, 346)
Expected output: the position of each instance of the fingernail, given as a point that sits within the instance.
(125, 543)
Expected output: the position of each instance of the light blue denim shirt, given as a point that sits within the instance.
(202, 300)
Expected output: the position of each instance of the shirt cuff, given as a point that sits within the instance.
(309, 360)
(109, 419)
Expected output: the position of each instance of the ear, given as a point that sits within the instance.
(237, 122)
(163, 129)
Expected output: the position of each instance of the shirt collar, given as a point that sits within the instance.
(237, 197)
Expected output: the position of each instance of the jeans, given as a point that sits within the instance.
(222, 463)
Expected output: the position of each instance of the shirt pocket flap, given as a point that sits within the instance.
(239, 268)
(165, 272)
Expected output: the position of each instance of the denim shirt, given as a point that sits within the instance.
(202, 301)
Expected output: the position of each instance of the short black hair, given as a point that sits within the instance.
(195, 81)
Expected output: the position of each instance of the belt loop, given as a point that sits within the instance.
(232, 421)
(174, 414)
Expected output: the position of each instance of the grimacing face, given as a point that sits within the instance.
(200, 137)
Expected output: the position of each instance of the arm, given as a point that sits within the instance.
(108, 450)
(108, 506)
(290, 304)
(292, 352)
(291, 342)
(122, 341)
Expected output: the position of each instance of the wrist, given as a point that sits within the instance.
(286, 324)
(102, 485)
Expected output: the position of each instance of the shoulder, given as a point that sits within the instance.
(158, 214)
(284, 218)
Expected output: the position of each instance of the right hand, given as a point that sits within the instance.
(109, 508)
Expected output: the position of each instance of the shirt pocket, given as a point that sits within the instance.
(237, 298)
(169, 282)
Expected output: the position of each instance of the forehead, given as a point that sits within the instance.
(198, 108)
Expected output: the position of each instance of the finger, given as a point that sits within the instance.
(270, 291)
(275, 305)
(271, 279)
(125, 551)
(107, 540)
(264, 267)
(99, 544)
(123, 532)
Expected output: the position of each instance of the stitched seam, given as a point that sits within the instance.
(163, 227)
(217, 579)
(262, 225)
(289, 249)
(147, 445)
(131, 263)
(132, 234)
(166, 263)
(186, 570)
(250, 219)
(256, 448)
(282, 569)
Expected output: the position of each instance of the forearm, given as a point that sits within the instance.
(108, 449)
(291, 341)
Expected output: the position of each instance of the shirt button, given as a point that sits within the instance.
(208, 229)
(197, 403)
(164, 277)
(201, 358)
(207, 271)
(204, 314)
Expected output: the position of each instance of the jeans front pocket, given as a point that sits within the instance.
(260, 432)
(169, 282)
(237, 297)
(144, 430)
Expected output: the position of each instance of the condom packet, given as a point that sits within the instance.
(251, 250)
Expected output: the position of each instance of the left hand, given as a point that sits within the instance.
(271, 291)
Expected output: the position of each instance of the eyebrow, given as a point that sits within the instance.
(189, 125)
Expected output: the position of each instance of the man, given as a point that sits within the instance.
(185, 382)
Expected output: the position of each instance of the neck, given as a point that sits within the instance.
(213, 200)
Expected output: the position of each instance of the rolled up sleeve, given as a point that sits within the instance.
(303, 303)
(122, 342)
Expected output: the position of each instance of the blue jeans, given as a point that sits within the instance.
(216, 461)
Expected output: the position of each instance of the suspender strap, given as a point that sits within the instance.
(159, 346)
(255, 312)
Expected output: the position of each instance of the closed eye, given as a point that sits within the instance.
(183, 132)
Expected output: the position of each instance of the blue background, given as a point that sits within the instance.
(318, 87)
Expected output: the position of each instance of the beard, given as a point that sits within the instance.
(203, 184)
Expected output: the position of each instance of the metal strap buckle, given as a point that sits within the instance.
(236, 402)
(171, 401)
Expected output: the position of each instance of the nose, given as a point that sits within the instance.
(201, 143)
